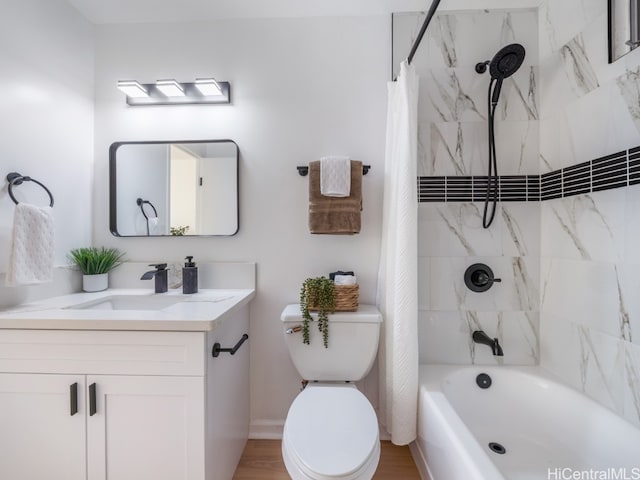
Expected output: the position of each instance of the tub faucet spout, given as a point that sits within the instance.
(480, 337)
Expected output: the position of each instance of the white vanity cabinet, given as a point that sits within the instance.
(123, 405)
(38, 434)
(146, 427)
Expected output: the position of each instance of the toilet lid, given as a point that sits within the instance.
(331, 430)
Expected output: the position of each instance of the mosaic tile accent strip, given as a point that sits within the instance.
(611, 171)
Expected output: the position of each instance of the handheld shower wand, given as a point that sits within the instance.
(504, 64)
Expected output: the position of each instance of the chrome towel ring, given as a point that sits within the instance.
(15, 178)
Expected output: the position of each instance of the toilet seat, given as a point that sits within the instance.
(331, 432)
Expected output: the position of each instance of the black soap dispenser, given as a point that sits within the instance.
(189, 276)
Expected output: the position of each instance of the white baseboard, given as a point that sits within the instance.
(420, 461)
(266, 429)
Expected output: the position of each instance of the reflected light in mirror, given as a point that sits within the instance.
(170, 88)
(133, 89)
(208, 86)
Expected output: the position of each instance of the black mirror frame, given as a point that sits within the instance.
(113, 215)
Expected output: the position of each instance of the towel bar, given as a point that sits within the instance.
(15, 178)
(304, 171)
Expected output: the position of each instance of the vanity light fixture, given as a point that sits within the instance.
(208, 86)
(170, 88)
(172, 92)
(132, 89)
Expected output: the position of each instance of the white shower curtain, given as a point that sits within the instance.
(397, 295)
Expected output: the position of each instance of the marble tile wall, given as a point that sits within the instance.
(451, 238)
(452, 130)
(590, 260)
(588, 108)
(571, 266)
(453, 141)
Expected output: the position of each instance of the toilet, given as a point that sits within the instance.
(331, 430)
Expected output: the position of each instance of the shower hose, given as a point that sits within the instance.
(491, 196)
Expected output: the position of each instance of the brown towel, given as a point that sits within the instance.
(335, 215)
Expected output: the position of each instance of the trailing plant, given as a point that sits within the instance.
(95, 261)
(317, 294)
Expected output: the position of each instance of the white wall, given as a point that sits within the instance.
(301, 88)
(46, 112)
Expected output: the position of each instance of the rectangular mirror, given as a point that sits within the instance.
(624, 24)
(173, 188)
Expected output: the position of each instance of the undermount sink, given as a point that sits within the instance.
(149, 302)
(130, 302)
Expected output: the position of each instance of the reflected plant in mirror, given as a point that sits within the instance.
(179, 231)
(624, 27)
(173, 188)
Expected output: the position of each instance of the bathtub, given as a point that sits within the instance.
(547, 430)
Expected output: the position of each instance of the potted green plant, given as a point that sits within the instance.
(95, 264)
(317, 293)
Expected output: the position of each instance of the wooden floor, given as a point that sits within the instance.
(262, 460)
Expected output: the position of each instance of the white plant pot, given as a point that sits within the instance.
(95, 283)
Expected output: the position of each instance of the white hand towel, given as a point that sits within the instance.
(153, 225)
(335, 176)
(32, 246)
(345, 280)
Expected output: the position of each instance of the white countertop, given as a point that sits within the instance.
(199, 312)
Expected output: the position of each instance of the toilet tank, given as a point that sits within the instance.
(353, 344)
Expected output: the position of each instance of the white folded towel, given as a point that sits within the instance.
(335, 176)
(344, 280)
(32, 246)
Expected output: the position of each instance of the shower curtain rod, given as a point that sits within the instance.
(423, 29)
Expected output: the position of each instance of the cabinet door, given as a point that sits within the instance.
(145, 428)
(42, 427)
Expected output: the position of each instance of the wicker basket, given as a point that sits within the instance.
(347, 297)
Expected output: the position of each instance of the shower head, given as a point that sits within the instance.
(504, 64)
(507, 61)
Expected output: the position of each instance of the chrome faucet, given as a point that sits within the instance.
(480, 337)
(161, 277)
